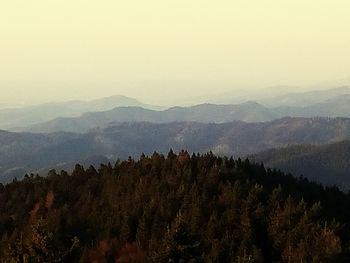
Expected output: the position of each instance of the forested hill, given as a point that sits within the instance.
(22, 153)
(178, 208)
(328, 164)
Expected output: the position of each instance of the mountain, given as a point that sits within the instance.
(277, 96)
(338, 106)
(236, 95)
(335, 107)
(29, 152)
(328, 164)
(205, 113)
(32, 152)
(173, 208)
(80, 117)
(18, 117)
(304, 99)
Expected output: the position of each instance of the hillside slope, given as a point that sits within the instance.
(328, 164)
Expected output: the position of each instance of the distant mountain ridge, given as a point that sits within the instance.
(205, 113)
(26, 116)
(33, 152)
(251, 111)
(303, 99)
(277, 96)
(81, 116)
(334, 107)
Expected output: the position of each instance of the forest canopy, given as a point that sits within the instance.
(174, 208)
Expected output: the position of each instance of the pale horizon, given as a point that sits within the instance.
(165, 52)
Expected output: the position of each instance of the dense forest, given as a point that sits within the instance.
(174, 208)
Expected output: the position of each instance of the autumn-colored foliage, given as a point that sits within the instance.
(179, 208)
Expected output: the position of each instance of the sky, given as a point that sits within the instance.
(163, 51)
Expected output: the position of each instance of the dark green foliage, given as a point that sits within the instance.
(173, 209)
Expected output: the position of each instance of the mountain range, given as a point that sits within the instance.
(296, 132)
(26, 116)
(28, 152)
(204, 113)
(335, 106)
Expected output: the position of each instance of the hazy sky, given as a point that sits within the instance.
(163, 50)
